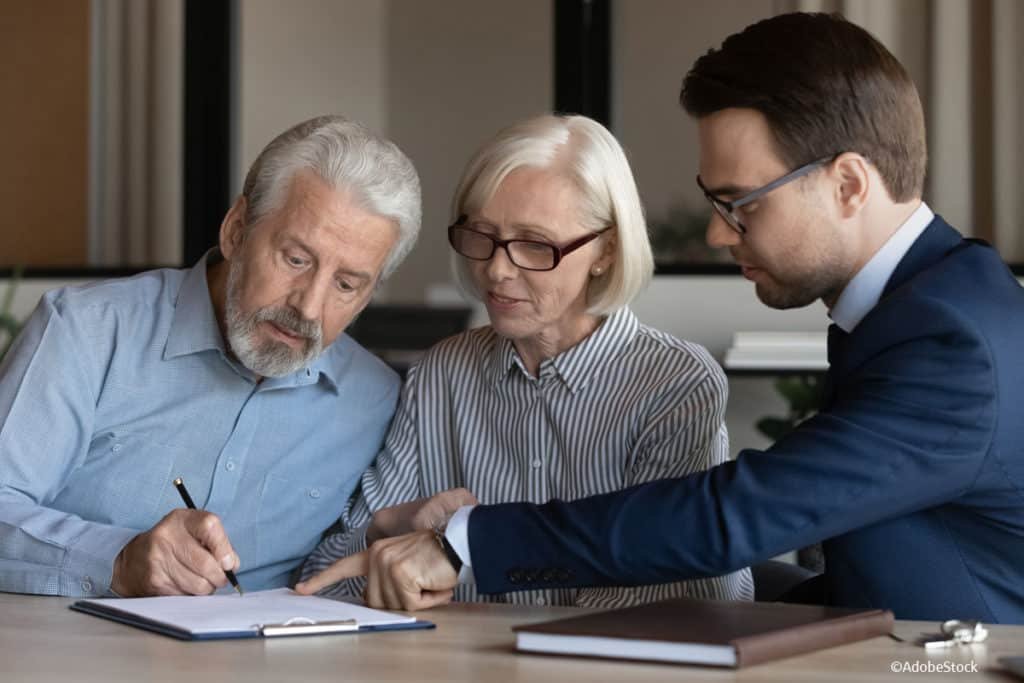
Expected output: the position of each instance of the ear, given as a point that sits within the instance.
(853, 173)
(232, 229)
(607, 257)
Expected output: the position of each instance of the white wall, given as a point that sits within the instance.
(302, 58)
(458, 71)
(654, 42)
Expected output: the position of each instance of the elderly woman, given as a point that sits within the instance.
(565, 394)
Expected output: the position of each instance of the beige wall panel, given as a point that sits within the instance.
(44, 122)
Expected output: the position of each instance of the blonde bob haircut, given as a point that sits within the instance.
(592, 158)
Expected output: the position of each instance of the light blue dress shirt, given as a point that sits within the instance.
(862, 293)
(114, 389)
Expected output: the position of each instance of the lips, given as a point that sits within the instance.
(499, 299)
(286, 335)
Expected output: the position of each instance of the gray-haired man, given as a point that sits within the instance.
(234, 375)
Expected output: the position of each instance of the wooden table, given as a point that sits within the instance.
(42, 640)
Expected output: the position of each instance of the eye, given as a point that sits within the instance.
(748, 209)
(295, 261)
(345, 286)
(534, 247)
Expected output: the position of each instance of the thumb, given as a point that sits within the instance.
(345, 568)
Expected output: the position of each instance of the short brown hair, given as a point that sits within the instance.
(826, 86)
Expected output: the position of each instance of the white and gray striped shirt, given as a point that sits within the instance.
(628, 404)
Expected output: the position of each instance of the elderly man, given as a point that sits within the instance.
(233, 375)
(812, 154)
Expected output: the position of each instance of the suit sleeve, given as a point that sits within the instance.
(49, 386)
(909, 430)
(393, 478)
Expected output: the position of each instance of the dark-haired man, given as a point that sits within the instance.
(812, 153)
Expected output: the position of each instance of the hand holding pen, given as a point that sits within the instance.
(180, 485)
(186, 553)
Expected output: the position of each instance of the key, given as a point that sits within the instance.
(958, 632)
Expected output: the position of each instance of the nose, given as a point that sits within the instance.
(309, 295)
(500, 267)
(720, 234)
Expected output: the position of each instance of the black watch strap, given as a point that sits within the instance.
(448, 550)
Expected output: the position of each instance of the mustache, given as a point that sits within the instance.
(291, 321)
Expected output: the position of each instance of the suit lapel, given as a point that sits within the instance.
(937, 240)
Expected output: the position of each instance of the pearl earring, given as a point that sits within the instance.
(596, 270)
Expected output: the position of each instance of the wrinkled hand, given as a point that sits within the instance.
(186, 553)
(408, 572)
(422, 513)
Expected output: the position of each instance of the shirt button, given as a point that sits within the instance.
(536, 463)
(87, 585)
(541, 602)
(230, 466)
(314, 493)
(116, 447)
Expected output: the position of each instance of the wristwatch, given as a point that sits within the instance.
(446, 547)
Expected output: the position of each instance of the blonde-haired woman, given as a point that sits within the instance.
(565, 394)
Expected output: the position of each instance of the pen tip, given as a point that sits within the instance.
(178, 482)
(239, 589)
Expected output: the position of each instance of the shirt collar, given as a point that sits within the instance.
(195, 328)
(866, 287)
(579, 364)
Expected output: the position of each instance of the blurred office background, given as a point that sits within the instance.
(128, 124)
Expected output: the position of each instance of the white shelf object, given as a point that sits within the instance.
(777, 351)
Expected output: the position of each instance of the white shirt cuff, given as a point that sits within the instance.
(457, 533)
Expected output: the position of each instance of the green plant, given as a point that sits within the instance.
(803, 394)
(9, 325)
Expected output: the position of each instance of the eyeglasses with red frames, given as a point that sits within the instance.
(525, 254)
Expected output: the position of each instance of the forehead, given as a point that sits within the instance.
(333, 223)
(737, 147)
(541, 196)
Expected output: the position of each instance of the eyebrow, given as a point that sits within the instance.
(544, 232)
(729, 189)
(362, 275)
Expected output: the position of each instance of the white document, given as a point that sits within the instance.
(231, 615)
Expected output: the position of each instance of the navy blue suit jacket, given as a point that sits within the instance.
(912, 474)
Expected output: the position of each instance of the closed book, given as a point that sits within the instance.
(709, 632)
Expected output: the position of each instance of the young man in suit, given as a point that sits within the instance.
(812, 153)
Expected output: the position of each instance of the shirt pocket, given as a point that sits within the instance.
(125, 481)
(292, 514)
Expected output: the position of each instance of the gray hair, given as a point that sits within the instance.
(346, 155)
(588, 154)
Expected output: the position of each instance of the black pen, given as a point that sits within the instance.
(180, 485)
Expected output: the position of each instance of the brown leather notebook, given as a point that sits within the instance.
(709, 632)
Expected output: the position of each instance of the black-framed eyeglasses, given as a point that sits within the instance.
(727, 210)
(525, 254)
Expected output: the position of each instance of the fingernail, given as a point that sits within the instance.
(227, 562)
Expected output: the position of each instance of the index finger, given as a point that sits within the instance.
(206, 528)
(345, 568)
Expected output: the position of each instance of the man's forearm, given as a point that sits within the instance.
(49, 552)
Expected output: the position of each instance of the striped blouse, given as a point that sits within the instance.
(628, 404)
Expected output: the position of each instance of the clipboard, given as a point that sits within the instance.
(204, 618)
